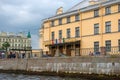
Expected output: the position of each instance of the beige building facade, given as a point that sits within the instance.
(90, 27)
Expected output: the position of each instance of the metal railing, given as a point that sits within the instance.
(111, 51)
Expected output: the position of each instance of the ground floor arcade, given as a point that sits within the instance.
(65, 49)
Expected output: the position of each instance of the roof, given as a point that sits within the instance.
(82, 4)
(29, 35)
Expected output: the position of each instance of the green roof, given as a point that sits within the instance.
(29, 35)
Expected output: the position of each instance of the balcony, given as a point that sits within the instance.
(61, 41)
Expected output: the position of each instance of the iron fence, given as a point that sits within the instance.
(108, 51)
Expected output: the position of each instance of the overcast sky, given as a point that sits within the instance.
(26, 15)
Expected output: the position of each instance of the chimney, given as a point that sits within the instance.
(59, 10)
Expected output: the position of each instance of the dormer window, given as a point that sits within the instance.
(107, 10)
(77, 18)
(52, 23)
(60, 21)
(68, 19)
(96, 13)
(118, 7)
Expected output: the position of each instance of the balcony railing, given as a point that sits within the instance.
(61, 41)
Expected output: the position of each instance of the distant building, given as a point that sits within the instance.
(36, 53)
(89, 28)
(17, 41)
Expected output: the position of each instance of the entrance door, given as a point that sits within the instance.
(61, 50)
(68, 50)
(77, 49)
(53, 50)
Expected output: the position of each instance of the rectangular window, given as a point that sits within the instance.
(96, 28)
(60, 34)
(119, 44)
(9, 40)
(77, 32)
(77, 18)
(52, 23)
(108, 45)
(60, 21)
(96, 46)
(68, 19)
(96, 13)
(108, 27)
(118, 7)
(107, 10)
(119, 25)
(53, 35)
(68, 33)
(3, 40)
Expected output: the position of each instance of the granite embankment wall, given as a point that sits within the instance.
(85, 65)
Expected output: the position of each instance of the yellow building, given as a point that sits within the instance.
(36, 53)
(88, 27)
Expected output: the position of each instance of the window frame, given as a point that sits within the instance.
(118, 7)
(77, 31)
(119, 25)
(96, 46)
(119, 44)
(108, 10)
(53, 35)
(77, 17)
(68, 33)
(60, 34)
(96, 28)
(96, 13)
(108, 45)
(68, 19)
(60, 21)
(108, 27)
(52, 23)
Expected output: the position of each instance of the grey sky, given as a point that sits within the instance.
(26, 15)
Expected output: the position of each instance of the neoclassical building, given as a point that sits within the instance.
(90, 27)
(17, 41)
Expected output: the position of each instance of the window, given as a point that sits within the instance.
(119, 25)
(119, 44)
(68, 33)
(68, 19)
(118, 7)
(96, 28)
(60, 21)
(53, 35)
(108, 45)
(19, 45)
(108, 27)
(15, 40)
(15, 45)
(77, 32)
(96, 13)
(96, 46)
(107, 10)
(60, 34)
(52, 23)
(9, 40)
(3, 40)
(77, 17)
